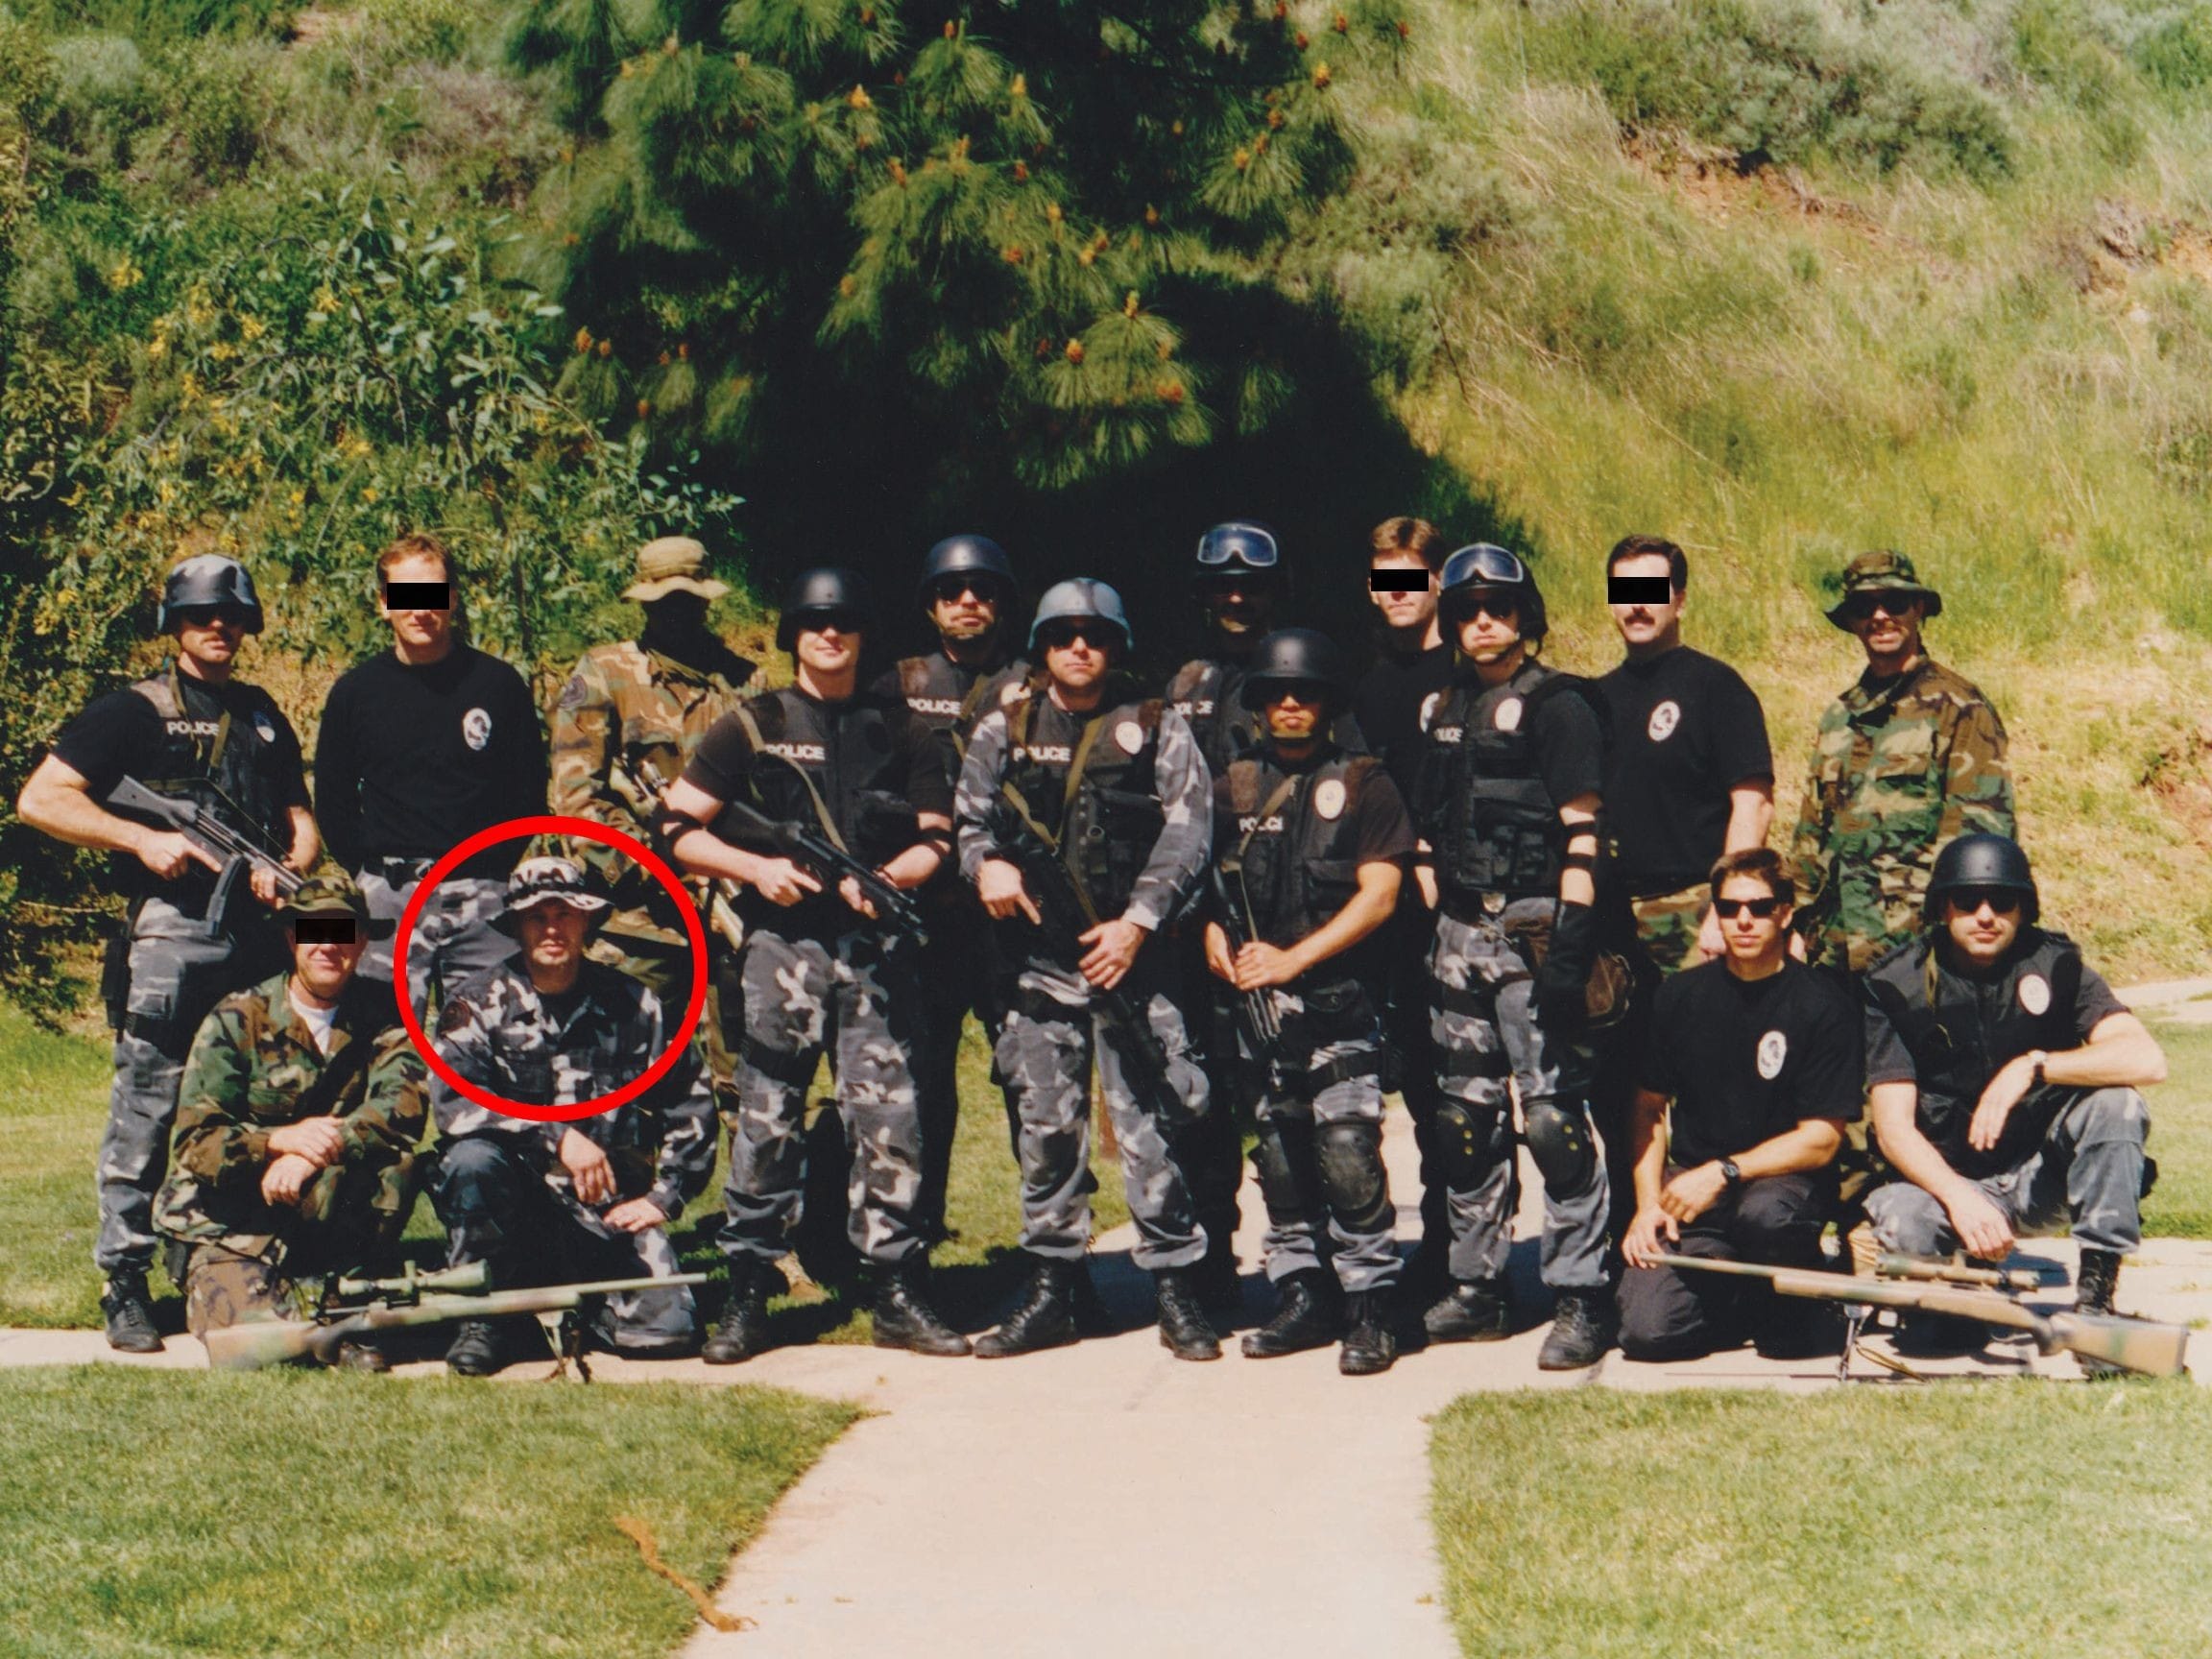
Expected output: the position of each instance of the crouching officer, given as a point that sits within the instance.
(968, 592)
(586, 1200)
(1110, 789)
(822, 971)
(1308, 844)
(192, 732)
(1509, 804)
(297, 1123)
(2003, 1074)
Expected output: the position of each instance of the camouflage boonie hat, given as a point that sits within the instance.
(671, 564)
(334, 895)
(1882, 573)
(537, 879)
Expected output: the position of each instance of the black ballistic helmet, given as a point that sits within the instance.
(209, 579)
(1292, 654)
(825, 590)
(965, 556)
(1981, 860)
(1241, 547)
(1484, 566)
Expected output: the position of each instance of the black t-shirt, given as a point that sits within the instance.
(1889, 1061)
(1747, 1060)
(120, 734)
(412, 761)
(1686, 730)
(1387, 704)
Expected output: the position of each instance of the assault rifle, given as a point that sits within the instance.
(829, 864)
(1066, 916)
(213, 834)
(2131, 1345)
(402, 1304)
(1254, 1009)
(641, 794)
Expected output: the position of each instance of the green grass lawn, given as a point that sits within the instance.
(53, 1103)
(2180, 1206)
(372, 1517)
(1943, 1523)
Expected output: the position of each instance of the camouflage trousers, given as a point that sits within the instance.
(499, 1208)
(244, 1264)
(176, 975)
(1410, 1057)
(665, 969)
(1666, 926)
(453, 938)
(1491, 1049)
(1327, 1193)
(2089, 1171)
(1044, 1056)
(854, 997)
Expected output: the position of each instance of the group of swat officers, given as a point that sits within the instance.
(1539, 907)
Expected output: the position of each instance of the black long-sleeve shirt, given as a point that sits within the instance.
(414, 760)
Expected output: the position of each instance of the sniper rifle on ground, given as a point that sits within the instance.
(2015, 1280)
(2131, 1345)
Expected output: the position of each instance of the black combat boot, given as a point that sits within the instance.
(1581, 1331)
(743, 1328)
(476, 1351)
(2095, 1282)
(1183, 1328)
(1309, 1315)
(1472, 1310)
(128, 1308)
(1370, 1339)
(904, 1318)
(1044, 1318)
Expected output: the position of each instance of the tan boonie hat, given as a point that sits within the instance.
(537, 879)
(1882, 573)
(671, 564)
(334, 895)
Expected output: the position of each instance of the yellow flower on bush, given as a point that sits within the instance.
(125, 275)
(325, 301)
(158, 348)
(251, 327)
(222, 350)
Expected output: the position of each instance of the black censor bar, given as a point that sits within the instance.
(1399, 581)
(325, 929)
(418, 595)
(1638, 590)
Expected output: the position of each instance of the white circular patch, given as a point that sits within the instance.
(2035, 994)
(1329, 797)
(1507, 717)
(1774, 1049)
(1664, 719)
(1130, 737)
(266, 728)
(1428, 708)
(476, 729)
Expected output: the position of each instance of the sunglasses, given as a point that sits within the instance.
(1059, 636)
(208, 615)
(831, 622)
(1728, 909)
(1966, 900)
(1859, 610)
(947, 590)
(1306, 693)
(1495, 607)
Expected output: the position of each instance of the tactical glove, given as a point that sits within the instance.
(1561, 988)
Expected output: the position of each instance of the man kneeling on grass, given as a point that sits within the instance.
(1761, 1058)
(587, 1199)
(296, 1121)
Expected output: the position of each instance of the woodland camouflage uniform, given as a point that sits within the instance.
(254, 1068)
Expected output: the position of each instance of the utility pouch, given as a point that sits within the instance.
(115, 976)
(1605, 993)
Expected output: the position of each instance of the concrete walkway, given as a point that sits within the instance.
(1105, 1499)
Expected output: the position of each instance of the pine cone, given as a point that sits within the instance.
(1075, 352)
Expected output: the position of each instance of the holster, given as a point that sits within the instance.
(116, 976)
(1607, 992)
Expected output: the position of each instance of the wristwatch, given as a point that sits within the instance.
(2040, 1055)
(1731, 1175)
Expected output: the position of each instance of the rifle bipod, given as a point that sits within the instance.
(564, 1334)
(1855, 1318)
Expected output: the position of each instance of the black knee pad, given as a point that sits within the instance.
(1276, 1159)
(1562, 1146)
(1468, 1141)
(1352, 1177)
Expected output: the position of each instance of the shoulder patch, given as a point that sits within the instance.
(1506, 716)
(1129, 736)
(2036, 994)
(1773, 1050)
(1329, 797)
(1428, 708)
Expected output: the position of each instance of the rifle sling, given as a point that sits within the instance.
(1233, 864)
(1069, 790)
(761, 750)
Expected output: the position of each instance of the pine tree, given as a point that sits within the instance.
(981, 232)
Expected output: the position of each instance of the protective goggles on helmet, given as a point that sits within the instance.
(1245, 544)
(1483, 566)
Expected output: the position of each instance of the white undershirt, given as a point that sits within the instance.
(322, 1022)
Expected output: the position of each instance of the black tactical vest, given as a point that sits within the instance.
(945, 697)
(1208, 694)
(1300, 863)
(1494, 825)
(235, 753)
(1972, 1028)
(848, 751)
(1107, 833)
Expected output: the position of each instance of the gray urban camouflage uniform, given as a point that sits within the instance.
(455, 939)
(500, 1187)
(1045, 1050)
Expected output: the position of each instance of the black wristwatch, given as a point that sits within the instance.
(1731, 1175)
